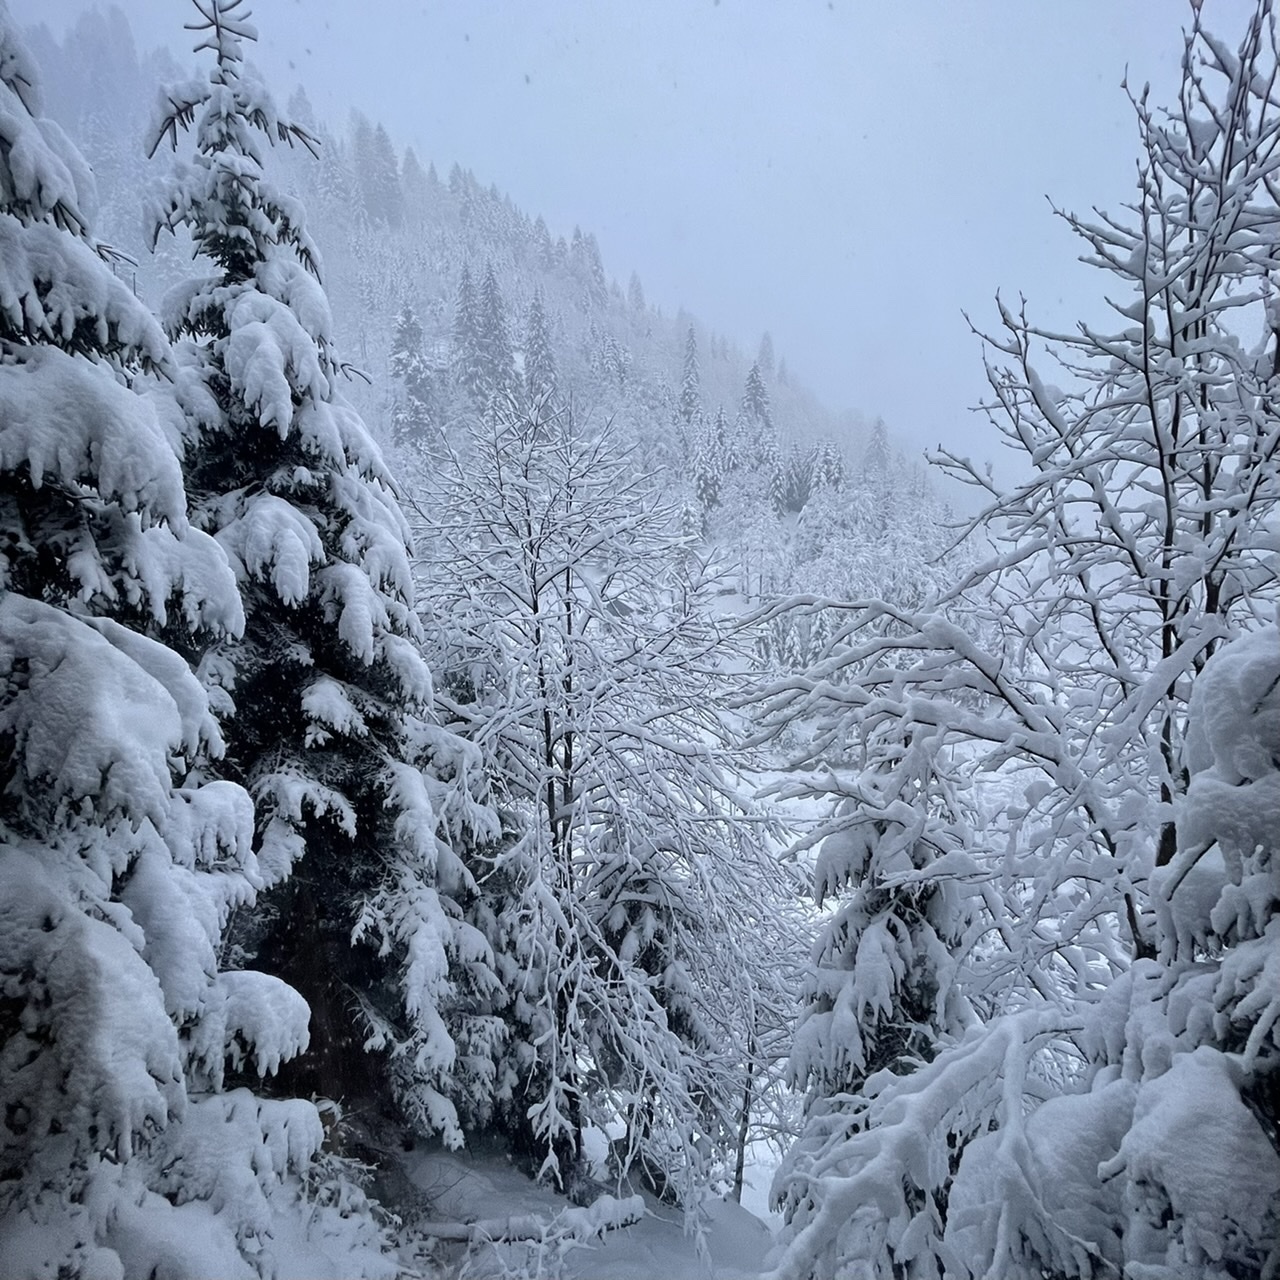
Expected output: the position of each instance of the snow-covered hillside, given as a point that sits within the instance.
(408, 780)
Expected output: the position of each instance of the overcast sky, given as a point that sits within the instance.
(848, 175)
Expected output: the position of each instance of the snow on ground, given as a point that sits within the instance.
(466, 1187)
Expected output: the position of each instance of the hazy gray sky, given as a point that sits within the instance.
(849, 175)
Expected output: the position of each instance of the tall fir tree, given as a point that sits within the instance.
(691, 380)
(469, 363)
(540, 374)
(828, 466)
(635, 294)
(764, 360)
(495, 338)
(121, 854)
(328, 679)
(411, 412)
(417, 187)
(755, 399)
(378, 173)
(544, 248)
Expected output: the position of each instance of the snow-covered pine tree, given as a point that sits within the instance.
(540, 374)
(495, 339)
(123, 1150)
(469, 364)
(727, 442)
(586, 265)
(411, 420)
(828, 466)
(799, 469)
(708, 466)
(875, 457)
(691, 380)
(419, 190)
(627, 905)
(764, 358)
(334, 187)
(544, 248)
(773, 472)
(885, 989)
(374, 162)
(1130, 887)
(756, 411)
(328, 679)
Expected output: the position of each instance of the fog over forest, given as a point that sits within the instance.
(517, 763)
(852, 178)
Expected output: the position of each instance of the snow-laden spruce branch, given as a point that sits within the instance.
(875, 1177)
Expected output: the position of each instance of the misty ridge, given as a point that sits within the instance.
(501, 781)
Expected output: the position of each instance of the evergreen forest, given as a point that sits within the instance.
(489, 767)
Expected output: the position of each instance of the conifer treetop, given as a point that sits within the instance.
(227, 173)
